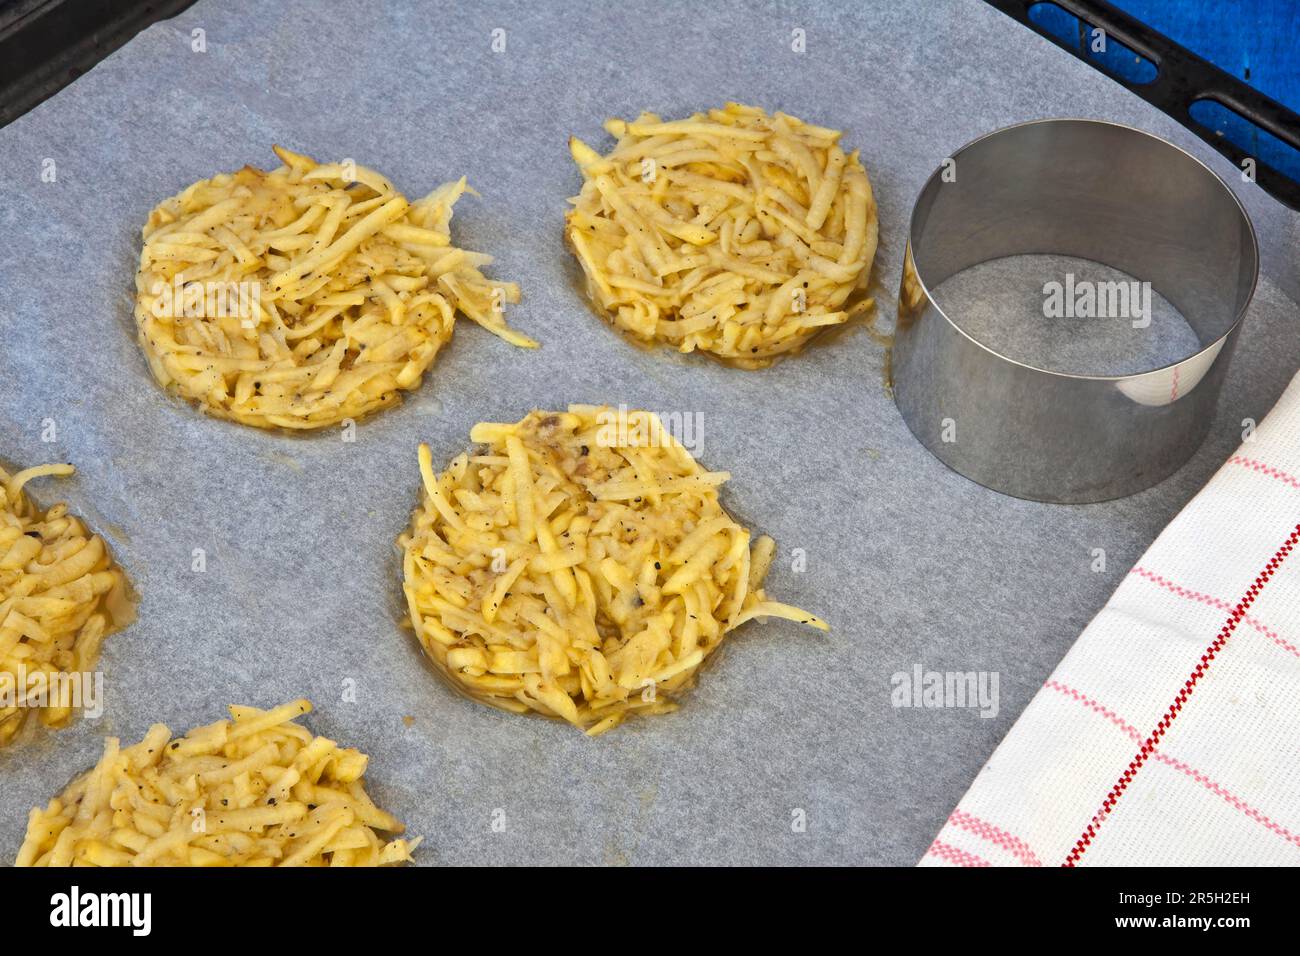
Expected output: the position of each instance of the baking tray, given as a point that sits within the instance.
(46, 44)
(912, 564)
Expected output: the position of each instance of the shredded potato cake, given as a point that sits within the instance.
(579, 566)
(305, 296)
(61, 594)
(734, 233)
(256, 790)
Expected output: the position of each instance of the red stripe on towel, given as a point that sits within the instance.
(1205, 781)
(1264, 469)
(995, 835)
(1185, 692)
(952, 854)
(1218, 603)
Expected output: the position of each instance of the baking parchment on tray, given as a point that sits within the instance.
(911, 564)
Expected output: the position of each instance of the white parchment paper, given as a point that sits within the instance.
(911, 563)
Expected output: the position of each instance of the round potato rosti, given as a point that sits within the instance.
(580, 566)
(733, 233)
(305, 296)
(61, 594)
(255, 790)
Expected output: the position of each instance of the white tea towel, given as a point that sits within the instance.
(1170, 733)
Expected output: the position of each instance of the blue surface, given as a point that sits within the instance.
(1254, 40)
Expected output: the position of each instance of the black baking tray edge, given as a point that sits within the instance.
(46, 44)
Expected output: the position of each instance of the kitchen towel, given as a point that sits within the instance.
(1170, 732)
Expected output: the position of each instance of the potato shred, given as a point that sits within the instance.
(256, 790)
(580, 566)
(734, 233)
(61, 594)
(308, 295)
